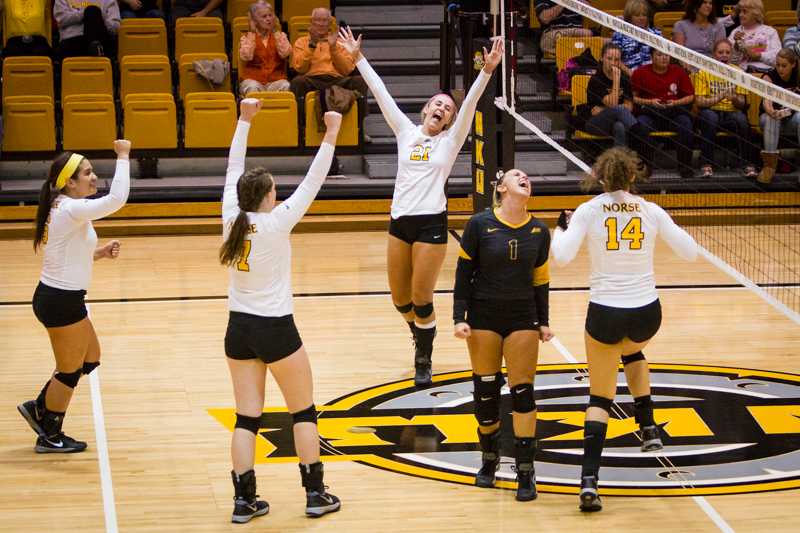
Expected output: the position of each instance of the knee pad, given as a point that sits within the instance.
(309, 414)
(632, 358)
(423, 311)
(88, 367)
(250, 423)
(522, 400)
(403, 309)
(486, 394)
(600, 402)
(70, 379)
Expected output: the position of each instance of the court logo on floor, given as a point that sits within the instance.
(725, 430)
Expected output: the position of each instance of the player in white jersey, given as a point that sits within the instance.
(261, 332)
(624, 311)
(64, 230)
(418, 227)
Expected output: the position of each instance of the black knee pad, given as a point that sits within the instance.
(424, 310)
(522, 400)
(486, 394)
(600, 402)
(403, 309)
(309, 414)
(250, 423)
(88, 367)
(632, 358)
(70, 379)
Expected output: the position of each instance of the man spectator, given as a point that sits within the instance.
(196, 8)
(263, 52)
(87, 27)
(558, 22)
(26, 28)
(129, 9)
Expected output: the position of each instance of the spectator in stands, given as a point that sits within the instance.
(634, 53)
(699, 28)
(558, 22)
(664, 94)
(727, 13)
(26, 29)
(722, 104)
(129, 9)
(775, 118)
(87, 27)
(792, 35)
(196, 8)
(263, 52)
(755, 44)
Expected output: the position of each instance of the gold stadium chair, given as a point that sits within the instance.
(777, 5)
(781, 20)
(348, 134)
(239, 8)
(608, 5)
(150, 121)
(298, 27)
(29, 123)
(239, 27)
(144, 74)
(569, 47)
(142, 37)
(209, 120)
(191, 82)
(28, 76)
(276, 123)
(198, 35)
(534, 23)
(665, 20)
(90, 122)
(301, 8)
(42, 11)
(86, 75)
(580, 83)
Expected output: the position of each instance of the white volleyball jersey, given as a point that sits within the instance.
(622, 230)
(424, 162)
(70, 239)
(261, 283)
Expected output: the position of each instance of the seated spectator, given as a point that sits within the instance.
(699, 28)
(143, 9)
(26, 29)
(87, 27)
(196, 8)
(664, 94)
(792, 35)
(722, 105)
(776, 119)
(755, 44)
(557, 22)
(634, 53)
(263, 52)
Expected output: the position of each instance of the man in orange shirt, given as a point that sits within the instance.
(263, 52)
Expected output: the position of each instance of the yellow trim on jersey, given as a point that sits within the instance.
(68, 170)
(463, 255)
(541, 274)
(509, 224)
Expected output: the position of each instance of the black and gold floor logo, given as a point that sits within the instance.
(725, 430)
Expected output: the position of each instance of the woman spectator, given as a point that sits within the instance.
(699, 28)
(776, 119)
(755, 44)
(635, 53)
(87, 28)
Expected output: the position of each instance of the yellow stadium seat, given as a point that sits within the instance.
(86, 75)
(90, 122)
(209, 120)
(295, 8)
(29, 123)
(298, 27)
(142, 37)
(145, 74)
(239, 27)
(580, 83)
(777, 5)
(276, 123)
(665, 20)
(28, 76)
(150, 122)
(240, 8)
(198, 35)
(569, 47)
(348, 134)
(190, 82)
(15, 10)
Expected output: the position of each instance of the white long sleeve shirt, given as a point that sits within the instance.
(71, 239)
(622, 230)
(261, 284)
(424, 162)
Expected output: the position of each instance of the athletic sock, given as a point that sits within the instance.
(594, 436)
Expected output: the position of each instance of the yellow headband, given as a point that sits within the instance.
(68, 170)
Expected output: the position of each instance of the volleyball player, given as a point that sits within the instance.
(501, 308)
(624, 311)
(261, 332)
(64, 230)
(418, 227)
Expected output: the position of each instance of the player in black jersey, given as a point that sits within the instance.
(501, 309)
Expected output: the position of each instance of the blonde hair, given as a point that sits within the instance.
(755, 5)
(497, 197)
(616, 169)
(635, 7)
(423, 114)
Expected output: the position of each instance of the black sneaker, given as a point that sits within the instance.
(526, 485)
(244, 511)
(490, 459)
(321, 503)
(651, 439)
(30, 413)
(590, 497)
(59, 443)
(423, 376)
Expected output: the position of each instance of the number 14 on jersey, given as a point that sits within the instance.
(632, 232)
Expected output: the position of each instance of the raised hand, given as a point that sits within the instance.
(493, 58)
(122, 147)
(248, 108)
(349, 42)
(333, 121)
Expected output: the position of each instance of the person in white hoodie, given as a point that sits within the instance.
(87, 27)
(755, 45)
(624, 311)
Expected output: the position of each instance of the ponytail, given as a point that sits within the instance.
(616, 169)
(50, 191)
(232, 249)
(250, 189)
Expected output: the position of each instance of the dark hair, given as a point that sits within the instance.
(47, 194)
(251, 189)
(616, 169)
(610, 45)
(692, 6)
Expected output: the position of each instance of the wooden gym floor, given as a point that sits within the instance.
(160, 314)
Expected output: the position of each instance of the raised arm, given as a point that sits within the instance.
(675, 236)
(117, 195)
(567, 242)
(230, 198)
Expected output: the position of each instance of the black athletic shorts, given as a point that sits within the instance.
(504, 317)
(420, 228)
(56, 308)
(261, 337)
(610, 325)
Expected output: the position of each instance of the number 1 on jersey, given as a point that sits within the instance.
(632, 232)
(512, 249)
(242, 264)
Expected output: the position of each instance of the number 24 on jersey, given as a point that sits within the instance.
(632, 232)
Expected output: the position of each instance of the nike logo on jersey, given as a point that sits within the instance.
(491, 230)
